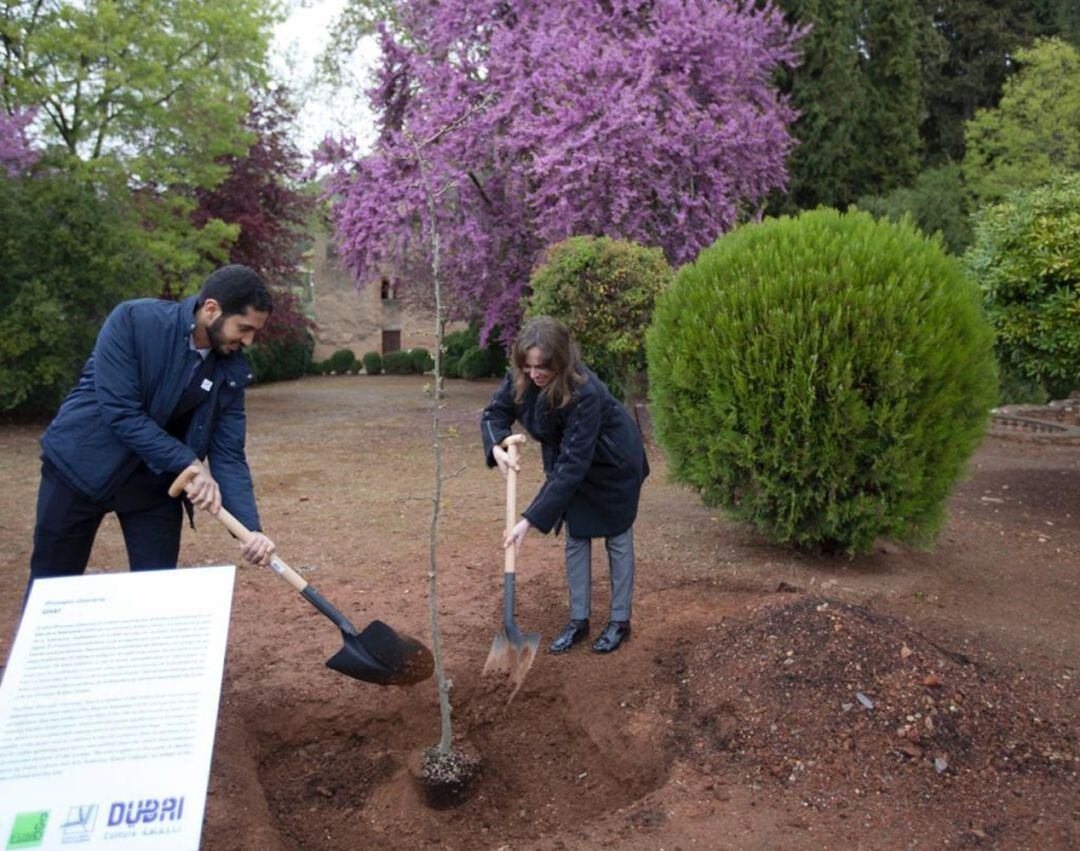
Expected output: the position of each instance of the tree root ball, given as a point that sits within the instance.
(446, 779)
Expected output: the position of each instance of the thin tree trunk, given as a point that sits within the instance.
(446, 740)
(447, 737)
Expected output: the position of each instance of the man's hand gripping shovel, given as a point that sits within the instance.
(378, 654)
(512, 652)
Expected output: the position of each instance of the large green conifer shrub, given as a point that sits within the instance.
(824, 377)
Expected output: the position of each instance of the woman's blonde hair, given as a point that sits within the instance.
(558, 353)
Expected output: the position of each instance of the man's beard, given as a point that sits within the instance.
(214, 332)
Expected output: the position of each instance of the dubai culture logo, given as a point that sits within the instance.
(145, 817)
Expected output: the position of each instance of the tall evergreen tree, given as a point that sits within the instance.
(857, 90)
(890, 144)
(976, 42)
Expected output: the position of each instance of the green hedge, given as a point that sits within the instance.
(825, 378)
(343, 361)
(492, 363)
(397, 363)
(474, 364)
(373, 363)
(422, 361)
(283, 359)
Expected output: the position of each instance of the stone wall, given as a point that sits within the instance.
(348, 319)
(1058, 420)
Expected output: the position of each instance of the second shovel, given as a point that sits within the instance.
(512, 651)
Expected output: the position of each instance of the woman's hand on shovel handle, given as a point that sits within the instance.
(258, 550)
(516, 536)
(203, 491)
(502, 459)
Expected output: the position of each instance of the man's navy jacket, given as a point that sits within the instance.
(129, 388)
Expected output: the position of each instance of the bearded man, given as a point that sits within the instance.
(162, 390)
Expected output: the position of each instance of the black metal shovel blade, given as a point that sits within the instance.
(382, 656)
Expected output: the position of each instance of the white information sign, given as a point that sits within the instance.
(108, 707)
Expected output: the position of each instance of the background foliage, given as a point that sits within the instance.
(666, 122)
(1026, 258)
(143, 98)
(16, 153)
(65, 260)
(857, 90)
(464, 357)
(937, 203)
(1034, 132)
(968, 52)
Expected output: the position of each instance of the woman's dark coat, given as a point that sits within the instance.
(593, 456)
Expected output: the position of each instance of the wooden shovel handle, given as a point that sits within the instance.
(511, 446)
(238, 529)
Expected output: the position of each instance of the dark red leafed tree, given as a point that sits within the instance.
(262, 195)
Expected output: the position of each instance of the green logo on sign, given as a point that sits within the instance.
(28, 830)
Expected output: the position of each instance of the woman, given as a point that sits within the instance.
(595, 465)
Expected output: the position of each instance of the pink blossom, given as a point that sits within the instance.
(651, 120)
(16, 154)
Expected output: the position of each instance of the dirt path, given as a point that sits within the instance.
(730, 720)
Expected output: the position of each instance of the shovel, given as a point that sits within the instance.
(512, 652)
(376, 655)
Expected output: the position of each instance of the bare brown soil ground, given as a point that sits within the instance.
(731, 719)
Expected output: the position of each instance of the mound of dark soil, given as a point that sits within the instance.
(841, 703)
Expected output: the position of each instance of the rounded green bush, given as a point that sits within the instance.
(456, 344)
(422, 361)
(343, 361)
(474, 364)
(373, 363)
(825, 378)
(397, 363)
(282, 359)
(1026, 259)
(603, 290)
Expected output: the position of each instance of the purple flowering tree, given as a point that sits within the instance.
(650, 120)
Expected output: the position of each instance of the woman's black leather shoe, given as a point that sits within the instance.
(613, 635)
(572, 633)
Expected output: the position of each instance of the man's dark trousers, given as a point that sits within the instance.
(68, 520)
